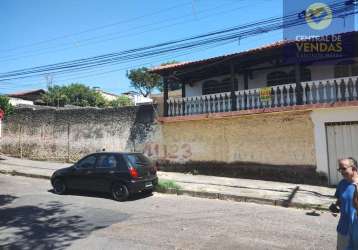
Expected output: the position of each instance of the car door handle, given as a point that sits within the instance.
(89, 172)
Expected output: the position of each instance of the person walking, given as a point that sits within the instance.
(345, 194)
(353, 230)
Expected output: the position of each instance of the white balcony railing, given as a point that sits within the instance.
(321, 91)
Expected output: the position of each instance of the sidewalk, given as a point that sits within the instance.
(262, 192)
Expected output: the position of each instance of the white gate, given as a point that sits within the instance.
(342, 141)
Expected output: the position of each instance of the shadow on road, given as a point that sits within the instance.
(132, 197)
(6, 199)
(49, 226)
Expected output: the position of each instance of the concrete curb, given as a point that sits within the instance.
(238, 198)
(16, 173)
(203, 194)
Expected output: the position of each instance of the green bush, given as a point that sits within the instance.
(165, 185)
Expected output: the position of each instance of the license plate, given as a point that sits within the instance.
(148, 184)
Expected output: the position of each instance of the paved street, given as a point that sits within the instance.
(31, 217)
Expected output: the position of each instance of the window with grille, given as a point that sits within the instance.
(280, 77)
(277, 78)
(305, 75)
(213, 86)
(346, 68)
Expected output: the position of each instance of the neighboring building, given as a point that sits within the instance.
(106, 95)
(268, 106)
(159, 100)
(137, 98)
(17, 101)
(33, 96)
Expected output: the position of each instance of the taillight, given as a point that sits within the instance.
(133, 172)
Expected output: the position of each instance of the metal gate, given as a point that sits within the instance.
(342, 141)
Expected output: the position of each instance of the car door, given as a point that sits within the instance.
(106, 168)
(83, 174)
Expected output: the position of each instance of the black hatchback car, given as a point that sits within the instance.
(120, 174)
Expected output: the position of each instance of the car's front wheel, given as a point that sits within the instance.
(120, 192)
(59, 186)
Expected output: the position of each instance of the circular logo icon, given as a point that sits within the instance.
(319, 16)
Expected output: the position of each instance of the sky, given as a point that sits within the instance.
(41, 32)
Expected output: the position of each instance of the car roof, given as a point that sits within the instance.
(112, 152)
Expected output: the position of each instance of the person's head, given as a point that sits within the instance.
(348, 168)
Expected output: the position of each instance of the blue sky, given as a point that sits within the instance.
(41, 32)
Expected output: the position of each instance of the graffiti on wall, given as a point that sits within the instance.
(168, 152)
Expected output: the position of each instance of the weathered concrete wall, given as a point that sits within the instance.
(275, 146)
(71, 133)
(276, 138)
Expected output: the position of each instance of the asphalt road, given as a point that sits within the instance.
(31, 217)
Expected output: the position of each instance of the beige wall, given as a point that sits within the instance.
(276, 138)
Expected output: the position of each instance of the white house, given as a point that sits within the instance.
(321, 78)
(137, 98)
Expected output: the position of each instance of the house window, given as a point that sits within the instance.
(346, 68)
(213, 86)
(277, 78)
(280, 77)
(305, 75)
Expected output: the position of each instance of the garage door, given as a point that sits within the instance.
(342, 141)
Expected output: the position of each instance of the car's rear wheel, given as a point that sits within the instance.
(59, 186)
(120, 192)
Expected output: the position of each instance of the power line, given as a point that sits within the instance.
(98, 27)
(106, 38)
(230, 34)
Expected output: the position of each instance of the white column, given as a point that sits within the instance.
(339, 95)
(346, 81)
(288, 98)
(311, 94)
(248, 99)
(303, 84)
(317, 85)
(354, 84)
(294, 101)
(237, 94)
(282, 97)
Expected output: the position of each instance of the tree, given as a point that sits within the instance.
(55, 96)
(82, 95)
(5, 105)
(143, 80)
(121, 101)
(74, 94)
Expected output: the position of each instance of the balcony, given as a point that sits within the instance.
(313, 92)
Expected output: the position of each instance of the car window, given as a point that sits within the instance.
(107, 161)
(138, 160)
(88, 162)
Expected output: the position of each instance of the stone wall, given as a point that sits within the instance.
(68, 134)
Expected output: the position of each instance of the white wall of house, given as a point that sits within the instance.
(16, 101)
(195, 89)
(319, 118)
(319, 71)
